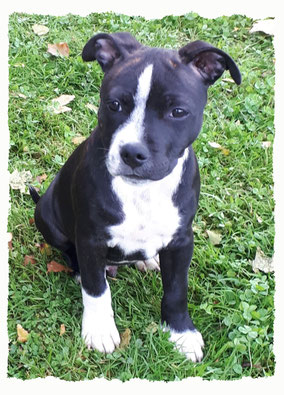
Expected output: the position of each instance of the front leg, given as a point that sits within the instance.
(98, 327)
(174, 263)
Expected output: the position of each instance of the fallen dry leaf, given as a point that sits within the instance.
(58, 49)
(125, 338)
(10, 237)
(58, 105)
(228, 80)
(56, 267)
(40, 30)
(62, 330)
(22, 334)
(41, 178)
(214, 145)
(29, 259)
(64, 99)
(214, 237)
(78, 139)
(31, 221)
(60, 109)
(18, 180)
(262, 262)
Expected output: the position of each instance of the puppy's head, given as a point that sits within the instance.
(152, 101)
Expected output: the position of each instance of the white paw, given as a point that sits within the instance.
(98, 327)
(149, 264)
(102, 336)
(189, 343)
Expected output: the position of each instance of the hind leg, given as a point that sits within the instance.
(70, 256)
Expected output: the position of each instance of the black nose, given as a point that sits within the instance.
(134, 154)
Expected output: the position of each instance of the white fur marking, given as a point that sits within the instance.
(189, 343)
(132, 130)
(98, 327)
(150, 217)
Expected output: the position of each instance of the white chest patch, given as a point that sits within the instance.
(150, 217)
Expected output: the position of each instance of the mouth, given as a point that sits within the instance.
(138, 175)
(133, 179)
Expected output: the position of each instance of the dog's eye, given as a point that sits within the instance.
(178, 113)
(114, 106)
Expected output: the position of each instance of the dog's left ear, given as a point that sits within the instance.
(107, 49)
(209, 61)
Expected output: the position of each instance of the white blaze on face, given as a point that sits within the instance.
(132, 130)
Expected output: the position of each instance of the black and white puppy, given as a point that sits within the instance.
(130, 191)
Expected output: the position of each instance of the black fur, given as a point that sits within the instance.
(35, 196)
(79, 206)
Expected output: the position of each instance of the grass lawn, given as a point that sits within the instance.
(230, 304)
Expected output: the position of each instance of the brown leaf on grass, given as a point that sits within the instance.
(22, 334)
(78, 139)
(62, 330)
(125, 339)
(10, 237)
(41, 178)
(58, 49)
(31, 221)
(56, 267)
(214, 237)
(40, 30)
(29, 259)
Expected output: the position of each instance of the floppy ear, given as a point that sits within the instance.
(109, 48)
(209, 61)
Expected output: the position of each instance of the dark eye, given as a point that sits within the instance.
(178, 113)
(114, 106)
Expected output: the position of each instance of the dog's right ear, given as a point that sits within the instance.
(107, 49)
(209, 61)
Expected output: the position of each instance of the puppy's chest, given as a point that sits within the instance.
(150, 217)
